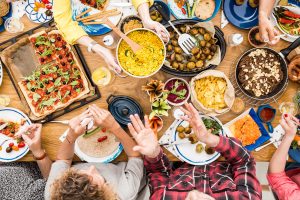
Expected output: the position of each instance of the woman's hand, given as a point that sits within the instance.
(110, 59)
(267, 31)
(77, 126)
(144, 136)
(158, 28)
(103, 118)
(32, 136)
(289, 124)
(203, 135)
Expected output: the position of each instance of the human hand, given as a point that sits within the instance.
(289, 124)
(77, 126)
(267, 31)
(158, 28)
(110, 60)
(103, 118)
(196, 195)
(144, 136)
(32, 136)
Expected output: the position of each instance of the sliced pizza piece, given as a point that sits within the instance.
(42, 46)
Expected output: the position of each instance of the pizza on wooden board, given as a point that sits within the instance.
(56, 84)
(98, 4)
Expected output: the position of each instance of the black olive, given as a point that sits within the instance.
(32, 89)
(27, 81)
(47, 82)
(64, 82)
(70, 60)
(60, 57)
(12, 131)
(63, 64)
(80, 85)
(37, 45)
(56, 90)
(58, 75)
(64, 46)
(57, 67)
(8, 149)
(42, 59)
(43, 73)
(47, 92)
(41, 86)
(79, 76)
(49, 55)
(58, 38)
(67, 54)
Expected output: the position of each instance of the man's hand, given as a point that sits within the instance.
(144, 137)
(289, 124)
(192, 116)
(266, 30)
(103, 118)
(158, 28)
(32, 136)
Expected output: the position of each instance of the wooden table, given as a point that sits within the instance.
(132, 87)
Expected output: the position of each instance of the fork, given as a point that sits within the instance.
(185, 41)
(4, 142)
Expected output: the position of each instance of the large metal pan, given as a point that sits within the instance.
(283, 64)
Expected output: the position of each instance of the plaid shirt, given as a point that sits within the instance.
(234, 179)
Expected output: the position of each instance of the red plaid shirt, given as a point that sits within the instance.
(234, 179)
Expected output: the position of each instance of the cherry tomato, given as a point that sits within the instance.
(15, 148)
(103, 129)
(101, 139)
(45, 1)
(11, 144)
(49, 7)
(183, 11)
(21, 144)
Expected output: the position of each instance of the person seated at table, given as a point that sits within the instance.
(267, 30)
(90, 181)
(26, 180)
(233, 179)
(285, 184)
(73, 33)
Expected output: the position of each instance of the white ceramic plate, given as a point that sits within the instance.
(286, 37)
(12, 114)
(187, 152)
(106, 159)
(37, 17)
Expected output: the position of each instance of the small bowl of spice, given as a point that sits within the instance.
(266, 114)
(130, 22)
(178, 91)
(254, 38)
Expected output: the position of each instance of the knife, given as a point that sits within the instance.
(175, 143)
(3, 126)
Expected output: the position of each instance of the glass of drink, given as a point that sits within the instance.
(288, 108)
(102, 76)
(4, 100)
(13, 25)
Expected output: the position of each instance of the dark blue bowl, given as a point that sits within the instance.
(2, 28)
(164, 7)
(242, 16)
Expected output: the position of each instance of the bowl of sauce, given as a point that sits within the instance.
(266, 114)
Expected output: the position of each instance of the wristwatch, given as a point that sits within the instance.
(91, 45)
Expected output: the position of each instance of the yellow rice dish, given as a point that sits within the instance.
(147, 60)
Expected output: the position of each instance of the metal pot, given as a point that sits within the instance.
(141, 29)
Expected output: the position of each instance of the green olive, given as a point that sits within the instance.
(199, 148)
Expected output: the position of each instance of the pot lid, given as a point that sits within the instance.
(121, 107)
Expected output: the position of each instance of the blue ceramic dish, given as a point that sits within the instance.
(264, 133)
(260, 108)
(242, 16)
(37, 17)
(165, 9)
(176, 11)
(5, 18)
(295, 153)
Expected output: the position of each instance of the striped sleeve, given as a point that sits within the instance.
(243, 169)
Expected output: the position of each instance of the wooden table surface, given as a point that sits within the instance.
(132, 87)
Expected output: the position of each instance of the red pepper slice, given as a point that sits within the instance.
(21, 144)
(183, 11)
(291, 14)
(101, 139)
(286, 21)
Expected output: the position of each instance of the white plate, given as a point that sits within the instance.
(37, 17)
(1, 73)
(187, 152)
(286, 37)
(12, 114)
(106, 159)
